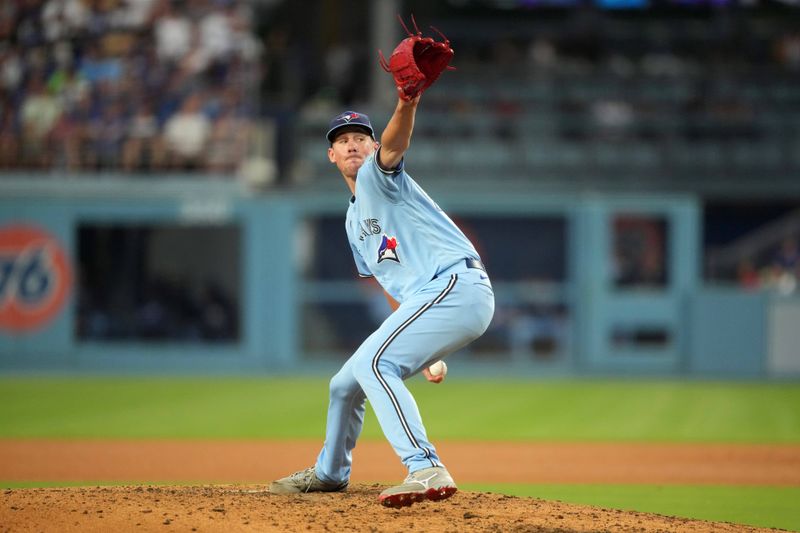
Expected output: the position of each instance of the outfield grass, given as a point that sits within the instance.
(757, 506)
(226, 408)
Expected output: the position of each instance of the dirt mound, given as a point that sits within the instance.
(251, 508)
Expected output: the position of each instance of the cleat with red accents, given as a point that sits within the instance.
(433, 484)
(441, 494)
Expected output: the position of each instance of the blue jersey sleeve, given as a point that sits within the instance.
(361, 265)
(391, 184)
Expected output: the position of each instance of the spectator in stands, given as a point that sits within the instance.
(101, 18)
(186, 135)
(72, 135)
(9, 135)
(68, 85)
(8, 12)
(107, 134)
(11, 70)
(143, 147)
(216, 33)
(786, 266)
(64, 156)
(29, 33)
(135, 14)
(173, 33)
(39, 114)
(63, 19)
(96, 66)
(227, 145)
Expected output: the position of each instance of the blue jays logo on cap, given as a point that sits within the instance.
(349, 118)
(388, 249)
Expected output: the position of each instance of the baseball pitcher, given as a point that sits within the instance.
(433, 278)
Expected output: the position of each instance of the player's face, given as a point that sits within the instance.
(349, 151)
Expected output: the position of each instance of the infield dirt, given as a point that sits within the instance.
(188, 504)
(243, 508)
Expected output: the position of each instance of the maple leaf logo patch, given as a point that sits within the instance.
(388, 249)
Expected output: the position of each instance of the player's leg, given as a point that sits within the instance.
(429, 326)
(440, 319)
(345, 420)
(443, 317)
(331, 472)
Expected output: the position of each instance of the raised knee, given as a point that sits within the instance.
(343, 385)
(369, 369)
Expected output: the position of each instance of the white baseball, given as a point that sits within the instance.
(437, 368)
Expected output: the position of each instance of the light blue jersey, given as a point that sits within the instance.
(418, 255)
(398, 234)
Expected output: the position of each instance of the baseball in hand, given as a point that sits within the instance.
(438, 368)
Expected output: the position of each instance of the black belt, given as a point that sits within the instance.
(469, 262)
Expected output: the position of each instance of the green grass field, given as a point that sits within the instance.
(575, 410)
(761, 506)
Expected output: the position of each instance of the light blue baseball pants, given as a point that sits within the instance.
(446, 314)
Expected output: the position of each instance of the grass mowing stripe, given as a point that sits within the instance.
(621, 411)
(756, 506)
(162, 408)
(237, 408)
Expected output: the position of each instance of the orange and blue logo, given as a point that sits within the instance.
(35, 278)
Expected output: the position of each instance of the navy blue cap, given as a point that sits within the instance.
(349, 118)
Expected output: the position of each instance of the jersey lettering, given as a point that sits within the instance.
(369, 226)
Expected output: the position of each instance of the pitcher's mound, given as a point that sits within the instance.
(252, 508)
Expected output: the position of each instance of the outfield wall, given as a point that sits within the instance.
(587, 284)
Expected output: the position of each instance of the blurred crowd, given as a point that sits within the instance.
(654, 83)
(136, 85)
(588, 97)
(780, 272)
(140, 85)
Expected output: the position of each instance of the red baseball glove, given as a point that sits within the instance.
(417, 62)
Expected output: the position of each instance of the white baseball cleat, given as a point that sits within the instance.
(432, 483)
